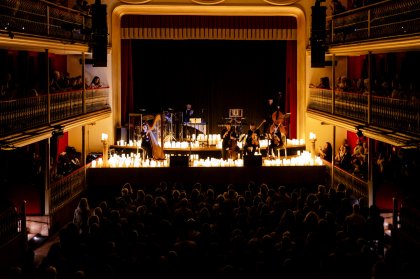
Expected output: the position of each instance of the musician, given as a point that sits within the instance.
(228, 137)
(251, 140)
(188, 113)
(146, 140)
(276, 141)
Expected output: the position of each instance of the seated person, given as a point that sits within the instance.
(341, 151)
(346, 162)
(277, 141)
(358, 151)
(251, 140)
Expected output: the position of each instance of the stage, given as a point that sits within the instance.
(103, 182)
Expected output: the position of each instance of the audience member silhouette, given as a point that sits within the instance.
(251, 230)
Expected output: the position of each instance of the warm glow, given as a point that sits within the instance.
(312, 136)
(134, 160)
(104, 137)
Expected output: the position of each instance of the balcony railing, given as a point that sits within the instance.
(390, 113)
(381, 20)
(12, 223)
(358, 185)
(66, 189)
(20, 114)
(44, 19)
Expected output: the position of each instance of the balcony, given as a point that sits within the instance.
(395, 119)
(384, 20)
(44, 19)
(31, 116)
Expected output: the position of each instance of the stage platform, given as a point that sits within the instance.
(103, 182)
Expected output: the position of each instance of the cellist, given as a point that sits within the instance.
(277, 133)
(252, 139)
(229, 144)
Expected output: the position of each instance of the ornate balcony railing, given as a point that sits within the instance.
(358, 185)
(20, 114)
(12, 223)
(381, 20)
(44, 19)
(396, 114)
(66, 188)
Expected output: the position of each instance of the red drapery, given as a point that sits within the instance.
(355, 67)
(127, 94)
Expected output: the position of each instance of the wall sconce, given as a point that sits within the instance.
(58, 131)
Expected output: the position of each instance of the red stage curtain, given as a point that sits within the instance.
(291, 86)
(127, 94)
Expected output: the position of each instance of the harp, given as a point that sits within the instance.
(155, 133)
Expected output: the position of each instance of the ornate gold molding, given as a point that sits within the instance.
(135, 2)
(281, 2)
(208, 2)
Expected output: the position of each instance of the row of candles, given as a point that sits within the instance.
(136, 160)
(197, 143)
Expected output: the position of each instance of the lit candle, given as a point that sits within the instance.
(104, 137)
(312, 136)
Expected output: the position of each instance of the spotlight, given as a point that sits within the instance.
(359, 133)
(11, 35)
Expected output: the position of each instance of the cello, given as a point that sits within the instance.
(255, 136)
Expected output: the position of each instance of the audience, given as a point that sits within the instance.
(208, 231)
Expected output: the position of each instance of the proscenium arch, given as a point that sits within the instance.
(197, 10)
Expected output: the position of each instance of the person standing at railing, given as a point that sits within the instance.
(96, 83)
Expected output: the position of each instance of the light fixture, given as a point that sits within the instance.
(359, 133)
(58, 131)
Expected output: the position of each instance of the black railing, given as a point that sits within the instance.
(358, 185)
(409, 219)
(20, 114)
(44, 19)
(12, 223)
(390, 113)
(66, 188)
(381, 20)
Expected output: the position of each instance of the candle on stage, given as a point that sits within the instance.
(312, 139)
(105, 149)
